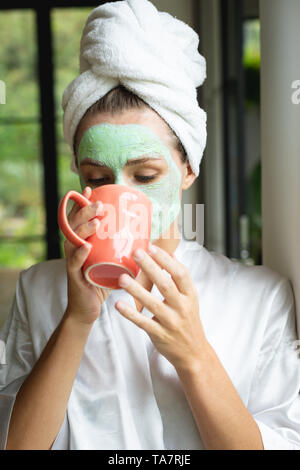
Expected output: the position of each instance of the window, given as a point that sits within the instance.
(241, 118)
(22, 213)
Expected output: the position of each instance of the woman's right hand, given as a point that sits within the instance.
(84, 299)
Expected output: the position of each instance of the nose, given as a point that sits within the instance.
(121, 177)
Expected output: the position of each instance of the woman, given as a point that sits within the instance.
(196, 353)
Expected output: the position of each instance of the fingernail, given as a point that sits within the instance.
(139, 254)
(152, 249)
(86, 190)
(124, 280)
(119, 304)
(93, 223)
(98, 207)
(87, 245)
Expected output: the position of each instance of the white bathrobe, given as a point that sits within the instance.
(126, 395)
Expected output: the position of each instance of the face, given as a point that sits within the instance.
(135, 148)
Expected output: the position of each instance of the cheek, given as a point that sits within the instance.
(166, 190)
(165, 196)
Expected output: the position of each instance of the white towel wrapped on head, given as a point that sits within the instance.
(150, 53)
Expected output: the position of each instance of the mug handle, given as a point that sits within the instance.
(63, 220)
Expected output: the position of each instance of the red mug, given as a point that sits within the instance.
(127, 215)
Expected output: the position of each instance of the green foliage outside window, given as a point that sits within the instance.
(21, 202)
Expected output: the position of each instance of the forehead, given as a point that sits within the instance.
(145, 116)
(117, 143)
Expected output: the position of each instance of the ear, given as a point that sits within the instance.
(188, 177)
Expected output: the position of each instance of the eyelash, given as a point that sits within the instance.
(96, 181)
(145, 178)
(140, 178)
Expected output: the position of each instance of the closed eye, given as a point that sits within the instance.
(97, 181)
(144, 178)
(140, 178)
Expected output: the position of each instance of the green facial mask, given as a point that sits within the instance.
(114, 145)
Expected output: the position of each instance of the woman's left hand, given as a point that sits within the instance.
(176, 329)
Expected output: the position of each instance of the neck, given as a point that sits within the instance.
(170, 239)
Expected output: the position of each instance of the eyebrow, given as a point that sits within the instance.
(136, 161)
(90, 161)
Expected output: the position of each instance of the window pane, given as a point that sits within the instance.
(22, 213)
(67, 25)
(21, 254)
(18, 63)
(21, 203)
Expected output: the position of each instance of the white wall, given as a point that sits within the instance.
(280, 135)
(181, 9)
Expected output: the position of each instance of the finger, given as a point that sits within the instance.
(153, 304)
(84, 231)
(85, 214)
(87, 192)
(144, 281)
(69, 248)
(75, 208)
(178, 271)
(75, 262)
(163, 281)
(147, 324)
